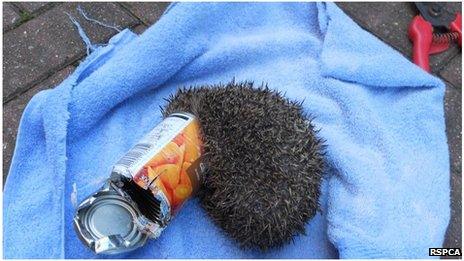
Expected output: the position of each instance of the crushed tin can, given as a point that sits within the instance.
(145, 190)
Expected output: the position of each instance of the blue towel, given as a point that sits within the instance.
(387, 189)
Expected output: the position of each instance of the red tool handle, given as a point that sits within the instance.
(456, 26)
(420, 32)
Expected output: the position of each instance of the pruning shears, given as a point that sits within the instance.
(432, 31)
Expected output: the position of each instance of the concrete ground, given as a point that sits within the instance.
(41, 47)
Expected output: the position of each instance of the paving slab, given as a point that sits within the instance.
(41, 46)
(10, 16)
(32, 7)
(453, 119)
(454, 232)
(453, 106)
(389, 21)
(13, 110)
(139, 29)
(453, 72)
(148, 12)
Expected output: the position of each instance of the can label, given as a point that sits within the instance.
(167, 160)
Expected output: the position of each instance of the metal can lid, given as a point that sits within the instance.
(106, 222)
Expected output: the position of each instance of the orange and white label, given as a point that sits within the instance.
(168, 159)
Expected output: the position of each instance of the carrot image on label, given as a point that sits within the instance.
(168, 169)
(169, 155)
(181, 193)
(192, 141)
(184, 178)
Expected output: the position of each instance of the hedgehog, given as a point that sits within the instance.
(264, 161)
